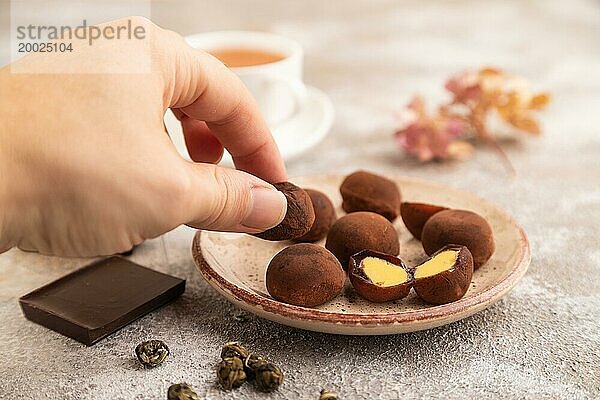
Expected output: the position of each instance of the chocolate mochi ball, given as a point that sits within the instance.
(360, 231)
(305, 275)
(446, 276)
(299, 216)
(365, 191)
(379, 277)
(459, 227)
(324, 217)
(415, 215)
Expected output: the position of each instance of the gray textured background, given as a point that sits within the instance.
(541, 342)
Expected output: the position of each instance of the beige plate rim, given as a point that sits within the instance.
(442, 314)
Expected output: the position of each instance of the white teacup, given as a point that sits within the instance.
(277, 86)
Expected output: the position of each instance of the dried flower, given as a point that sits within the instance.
(328, 395)
(230, 372)
(239, 365)
(465, 88)
(152, 353)
(489, 90)
(517, 110)
(234, 349)
(267, 376)
(181, 391)
(427, 136)
(475, 94)
(251, 362)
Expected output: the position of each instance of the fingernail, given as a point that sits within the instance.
(268, 209)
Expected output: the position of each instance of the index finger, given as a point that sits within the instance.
(230, 112)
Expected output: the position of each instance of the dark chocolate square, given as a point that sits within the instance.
(99, 299)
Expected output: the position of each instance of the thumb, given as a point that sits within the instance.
(226, 199)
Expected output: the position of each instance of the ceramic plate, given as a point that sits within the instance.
(235, 265)
(294, 137)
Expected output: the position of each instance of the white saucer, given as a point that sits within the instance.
(300, 133)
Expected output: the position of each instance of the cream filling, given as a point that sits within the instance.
(383, 273)
(439, 263)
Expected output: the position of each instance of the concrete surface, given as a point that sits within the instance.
(541, 342)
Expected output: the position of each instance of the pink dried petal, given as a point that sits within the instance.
(454, 127)
(426, 142)
(465, 87)
(414, 139)
(427, 137)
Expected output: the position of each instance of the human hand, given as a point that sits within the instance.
(87, 168)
